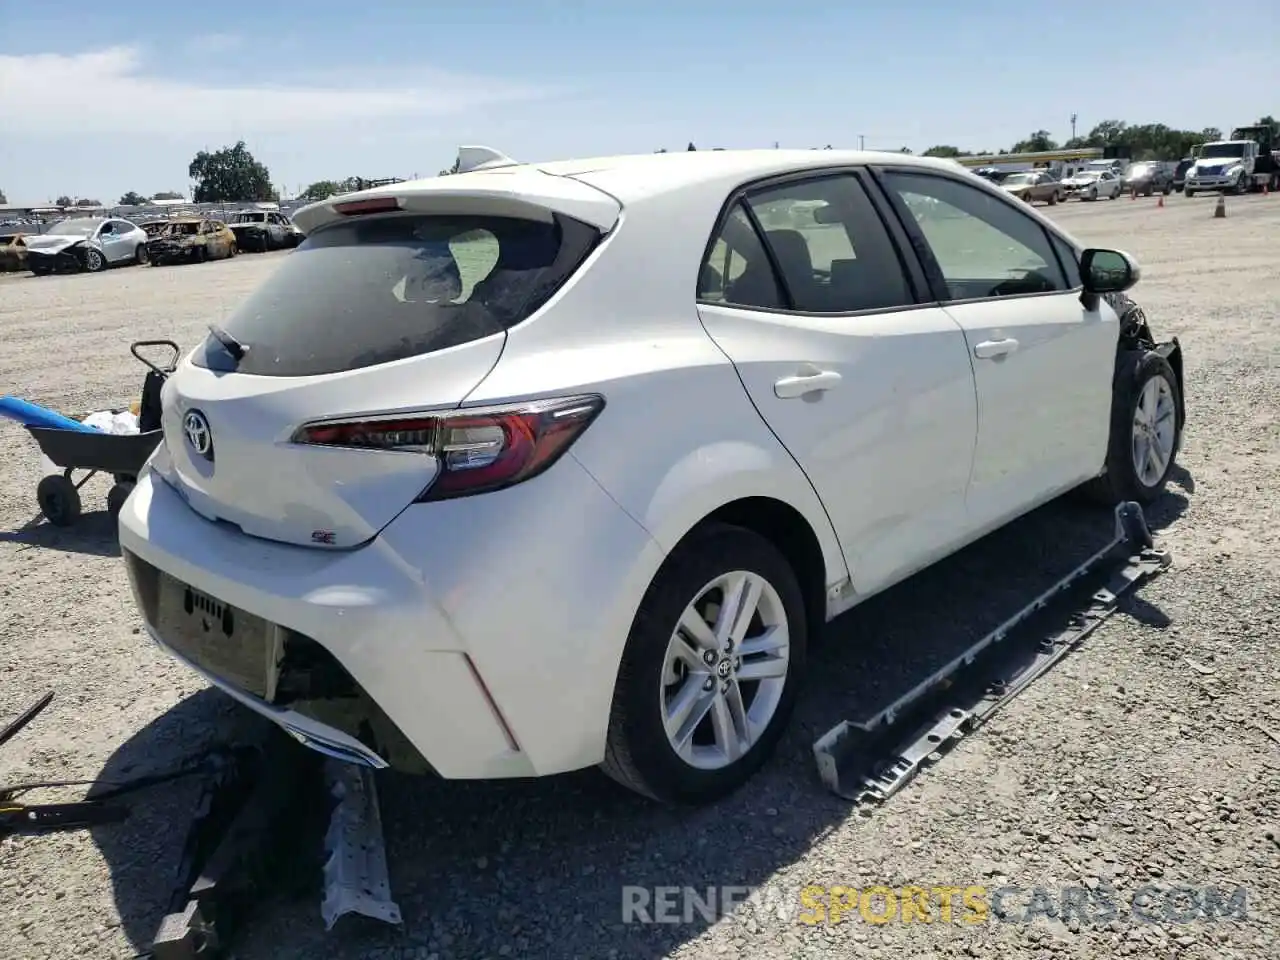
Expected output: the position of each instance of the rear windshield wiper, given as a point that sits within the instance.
(229, 343)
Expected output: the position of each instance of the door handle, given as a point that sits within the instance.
(789, 388)
(995, 349)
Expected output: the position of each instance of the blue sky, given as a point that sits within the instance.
(99, 98)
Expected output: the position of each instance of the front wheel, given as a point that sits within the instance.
(1146, 431)
(1242, 185)
(1188, 192)
(1093, 194)
(1053, 199)
(94, 261)
(59, 500)
(710, 670)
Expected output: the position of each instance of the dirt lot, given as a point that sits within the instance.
(1150, 758)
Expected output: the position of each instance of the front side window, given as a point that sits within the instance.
(983, 245)
(375, 289)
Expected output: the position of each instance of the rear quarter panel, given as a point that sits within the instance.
(679, 436)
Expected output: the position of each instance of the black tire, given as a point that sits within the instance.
(1120, 481)
(1053, 199)
(95, 261)
(638, 754)
(1188, 193)
(140, 256)
(59, 500)
(39, 271)
(116, 497)
(1244, 185)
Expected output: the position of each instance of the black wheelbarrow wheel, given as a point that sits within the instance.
(59, 500)
(117, 495)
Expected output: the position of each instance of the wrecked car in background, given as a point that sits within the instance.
(86, 243)
(191, 240)
(264, 230)
(13, 252)
(153, 228)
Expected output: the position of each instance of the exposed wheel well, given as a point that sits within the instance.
(786, 529)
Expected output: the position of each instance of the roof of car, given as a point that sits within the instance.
(626, 178)
(641, 174)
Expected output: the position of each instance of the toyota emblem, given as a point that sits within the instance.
(196, 427)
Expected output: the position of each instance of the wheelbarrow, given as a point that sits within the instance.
(90, 452)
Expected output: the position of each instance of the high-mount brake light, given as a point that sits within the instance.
(477, 450)
(350, 208)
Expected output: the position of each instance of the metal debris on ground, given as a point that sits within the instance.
(355, 869)
(868, 761)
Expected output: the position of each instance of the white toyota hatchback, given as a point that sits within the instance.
(537, 467)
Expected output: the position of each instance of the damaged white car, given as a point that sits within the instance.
(537, 467)
(86, 243)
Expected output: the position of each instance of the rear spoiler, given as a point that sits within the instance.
(486, 182)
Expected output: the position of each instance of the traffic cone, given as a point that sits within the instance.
(1221, 209)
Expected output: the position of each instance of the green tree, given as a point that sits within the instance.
(3, 198)
(945, 150)
(132, 199)
(691, 146)
(86, 202)
(63, 201)
(320, 190)
(229, 174)
(167, 195)
(1038, 142)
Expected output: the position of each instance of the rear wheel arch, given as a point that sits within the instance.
(788, 530)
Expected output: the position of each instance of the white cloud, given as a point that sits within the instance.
(109, 91)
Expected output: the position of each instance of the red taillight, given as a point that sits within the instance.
(375, 205)
(477, 450)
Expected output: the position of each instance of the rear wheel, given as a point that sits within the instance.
(1146, 431)
(710, 670)
(1188, 192)
(116, 497)
(140, 256)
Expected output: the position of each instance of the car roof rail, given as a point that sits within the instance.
(482, 158)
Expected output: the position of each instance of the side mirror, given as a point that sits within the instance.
(1108, 271)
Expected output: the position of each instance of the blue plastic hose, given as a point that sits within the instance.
(31, 415)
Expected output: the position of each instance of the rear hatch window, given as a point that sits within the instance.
(375, 289)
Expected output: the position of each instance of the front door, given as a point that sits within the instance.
(867, 384)
(1042, 362)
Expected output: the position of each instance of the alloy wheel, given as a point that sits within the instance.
(724, 670)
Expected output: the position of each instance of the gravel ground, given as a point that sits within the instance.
(1145, 759)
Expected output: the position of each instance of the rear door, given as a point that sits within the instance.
(1042, 361)
(375, 315)
(866, 382)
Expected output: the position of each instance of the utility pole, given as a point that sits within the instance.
(862, 141)
(1073, 126)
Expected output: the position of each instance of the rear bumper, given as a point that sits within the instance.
(488, 630)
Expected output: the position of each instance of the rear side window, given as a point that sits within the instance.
(372, 290)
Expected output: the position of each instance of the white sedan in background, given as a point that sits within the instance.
(540, 467)
(1093, 185)
(86, 243)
